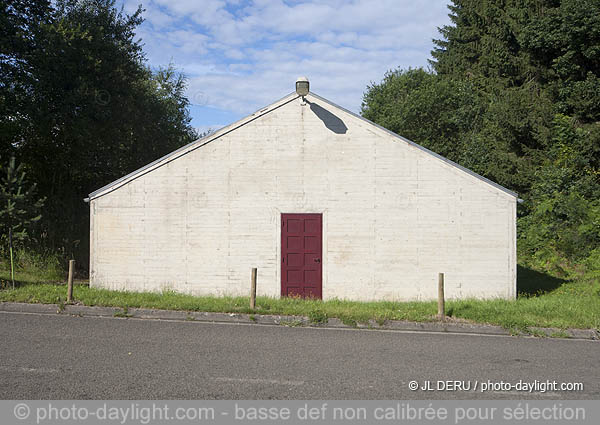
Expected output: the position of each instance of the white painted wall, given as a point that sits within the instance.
(393, 215)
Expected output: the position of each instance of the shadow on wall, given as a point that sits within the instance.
(331, 121)
(532, 282)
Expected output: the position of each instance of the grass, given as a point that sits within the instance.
(317, 317)
(543, 302)
(31, 268)
(572, 305)
(291, 323)
(124, 313)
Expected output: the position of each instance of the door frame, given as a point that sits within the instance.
(277, 235)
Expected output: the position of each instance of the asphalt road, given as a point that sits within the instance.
(62, 357)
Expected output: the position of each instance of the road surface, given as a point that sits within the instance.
(63, 357)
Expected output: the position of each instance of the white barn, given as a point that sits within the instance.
(322, 201)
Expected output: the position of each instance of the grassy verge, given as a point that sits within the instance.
(574, 304)
(544, 300)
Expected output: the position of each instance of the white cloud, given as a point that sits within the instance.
(243, 55)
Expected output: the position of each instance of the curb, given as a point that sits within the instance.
(292, 321)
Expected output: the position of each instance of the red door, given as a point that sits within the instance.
(301, 254)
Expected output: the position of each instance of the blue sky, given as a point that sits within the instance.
(242, 55)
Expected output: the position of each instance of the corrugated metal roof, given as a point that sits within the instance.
(225, 130)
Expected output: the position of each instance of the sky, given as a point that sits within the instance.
(240, 55)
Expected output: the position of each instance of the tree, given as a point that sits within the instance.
(563, 222)
(20, 28)
(515, 96)
(506, 44)
(490, 133)
(433, 111)
(19, 208)
(482, 43)
(81, 107)
(563, 42)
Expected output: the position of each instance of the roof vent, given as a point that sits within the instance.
(302, 86)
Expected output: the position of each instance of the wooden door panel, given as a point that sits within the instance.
(301, 255)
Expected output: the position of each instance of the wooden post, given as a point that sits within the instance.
(70, 281)
(12, 263)
(441, 305)
(253, 289)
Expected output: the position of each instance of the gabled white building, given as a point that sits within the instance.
(322, 201)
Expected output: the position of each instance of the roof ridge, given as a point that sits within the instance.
(249, 118)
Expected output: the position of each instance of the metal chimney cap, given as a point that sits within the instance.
(302, 86)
